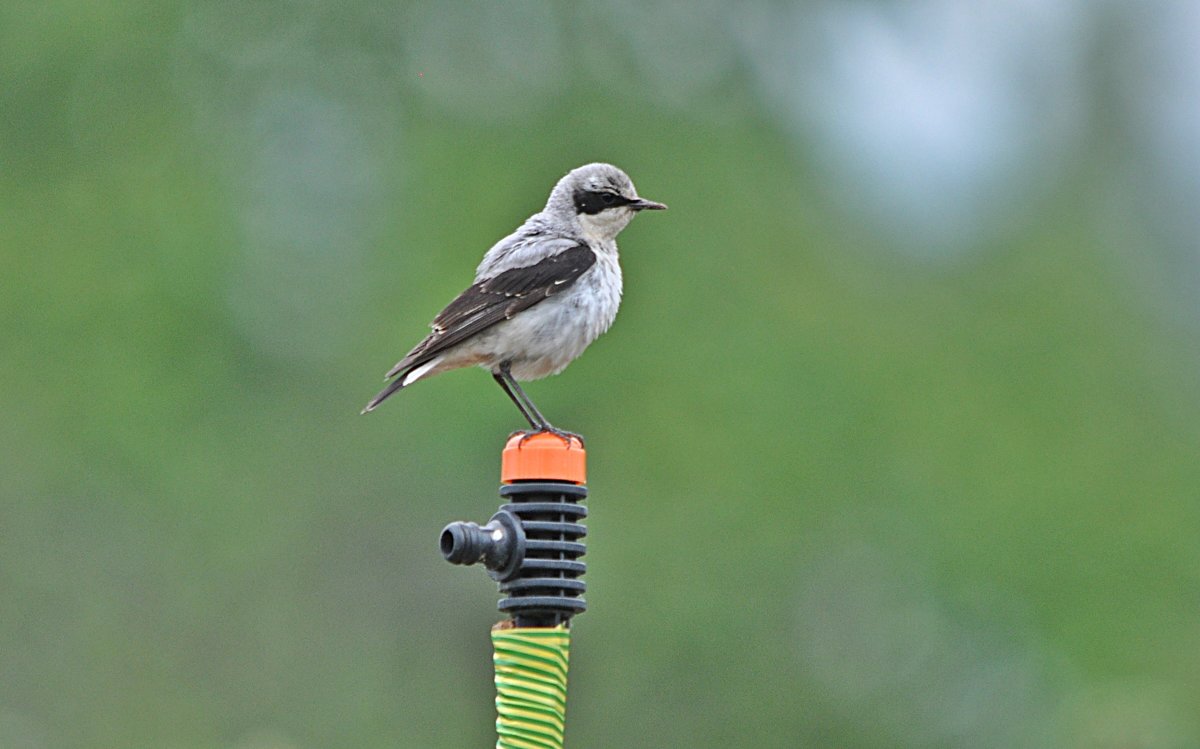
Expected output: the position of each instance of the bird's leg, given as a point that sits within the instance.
(503, 377)
(530, 411)
(542, 422)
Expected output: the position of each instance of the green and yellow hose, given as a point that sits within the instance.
(531, 686)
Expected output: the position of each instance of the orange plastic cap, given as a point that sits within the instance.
(543, 457)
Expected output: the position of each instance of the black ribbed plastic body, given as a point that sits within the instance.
(546, 589)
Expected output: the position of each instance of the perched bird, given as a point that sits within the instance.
(541, 295)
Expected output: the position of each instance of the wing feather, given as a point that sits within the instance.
(496, 299)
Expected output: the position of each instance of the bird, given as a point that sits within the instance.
(540, 296)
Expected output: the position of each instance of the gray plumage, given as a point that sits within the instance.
(541, 295)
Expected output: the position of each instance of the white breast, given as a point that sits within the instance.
(556, 331)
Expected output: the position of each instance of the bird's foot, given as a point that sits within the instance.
(564, 435)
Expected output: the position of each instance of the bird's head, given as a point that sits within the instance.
(600, 198)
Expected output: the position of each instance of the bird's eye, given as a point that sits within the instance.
(592, 202)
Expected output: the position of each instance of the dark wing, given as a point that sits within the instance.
(496, 299)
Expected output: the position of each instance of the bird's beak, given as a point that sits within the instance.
(641, 204)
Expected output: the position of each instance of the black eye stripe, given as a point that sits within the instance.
(592, 202)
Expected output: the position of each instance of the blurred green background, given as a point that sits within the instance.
(894, 442)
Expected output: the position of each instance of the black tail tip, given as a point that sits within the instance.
(384, 394)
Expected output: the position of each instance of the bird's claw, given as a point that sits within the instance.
(562, 434)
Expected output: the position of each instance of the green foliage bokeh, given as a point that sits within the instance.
(840, 497)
